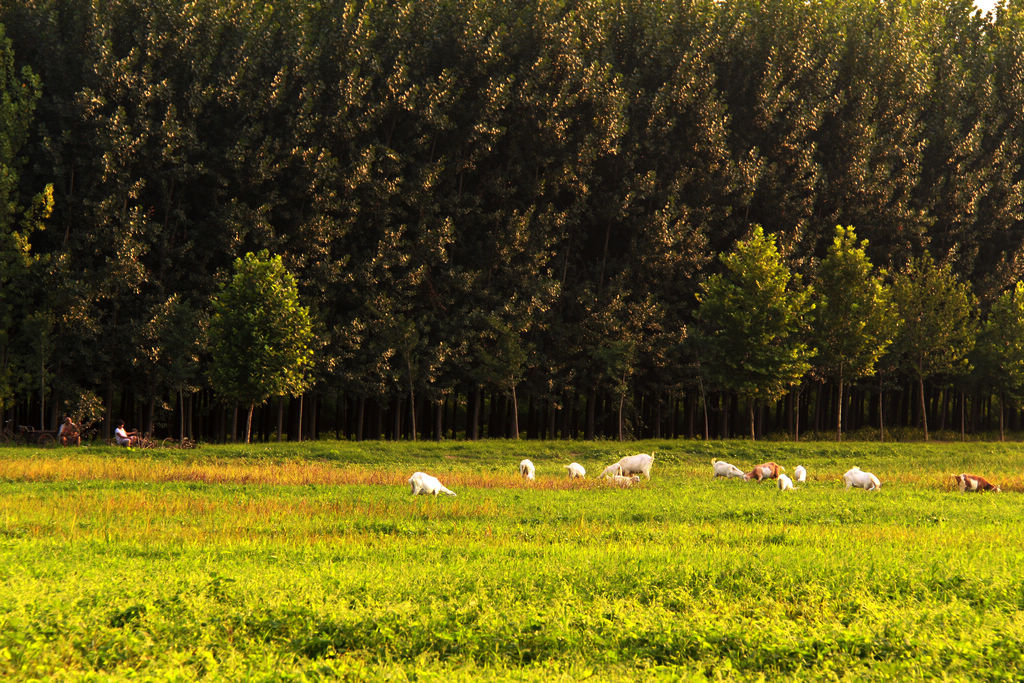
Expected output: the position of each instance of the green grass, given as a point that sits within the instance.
(162, 573)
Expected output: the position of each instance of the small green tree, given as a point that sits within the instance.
(502, 358)
(170, 349)
(752, 321)
(999, 355)
(261, 337)
(938, 326)
(853, 320)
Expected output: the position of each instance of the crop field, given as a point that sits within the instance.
(313, 561)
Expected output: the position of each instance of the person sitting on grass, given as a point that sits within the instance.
(124, 438)
(68, 433)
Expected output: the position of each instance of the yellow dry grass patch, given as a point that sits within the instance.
(279, 474)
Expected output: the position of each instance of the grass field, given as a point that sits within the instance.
(312, 561)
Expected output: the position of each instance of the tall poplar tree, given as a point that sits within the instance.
(751, 319)
(19, 216)
(853, 322)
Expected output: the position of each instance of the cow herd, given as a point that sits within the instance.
(626, 472)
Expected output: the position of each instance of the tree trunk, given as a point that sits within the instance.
(924, 411)
(963, 415)
(515, 411)
(280, 417)
(881, 410)
(300, 418)
(1002, 413)
(622, 404)
(474, 433)
(591, 415)
(839, 410)
(750, 412)
(441, 409)
(248, 422)
(796, 413)
(360, 417)
(657, 418)
(412, 398)
(42, 388)
(704, 404)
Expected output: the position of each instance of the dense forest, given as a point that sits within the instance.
(517, 219)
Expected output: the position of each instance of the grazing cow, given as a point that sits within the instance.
(527, 470)
(768, 470)
(724, 469)
(424, 484)
(800, 472)
(624, 482)
(972, 482)
(862, 480)
(785, 483)
(576, 471)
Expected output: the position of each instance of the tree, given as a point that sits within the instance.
(852, 314)
(19, 91)
(171, 347)
(937, 327)
(751, 319)
(261, 336)
(999, 357)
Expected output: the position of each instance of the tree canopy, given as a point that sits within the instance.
(499, 214)
(751, 319)
(261, 336)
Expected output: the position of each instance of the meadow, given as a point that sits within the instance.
(313, 561)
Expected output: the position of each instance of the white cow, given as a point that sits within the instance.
(527, 470)
(424, 484)
(785, 483)
(863, 480)
(800, 473)
(724, 469)
(576, 471)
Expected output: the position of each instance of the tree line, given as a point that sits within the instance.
(541, 219)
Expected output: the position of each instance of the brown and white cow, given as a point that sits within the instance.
(768, 470)
(972, 482)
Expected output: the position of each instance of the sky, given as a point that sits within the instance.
(984, 5)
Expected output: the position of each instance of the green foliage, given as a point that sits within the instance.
(261, 337)
(85, 409)
(1000, 348)
(752, 318)
(853, 316)
(938, 318)
(19, 217)
(938, 323)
